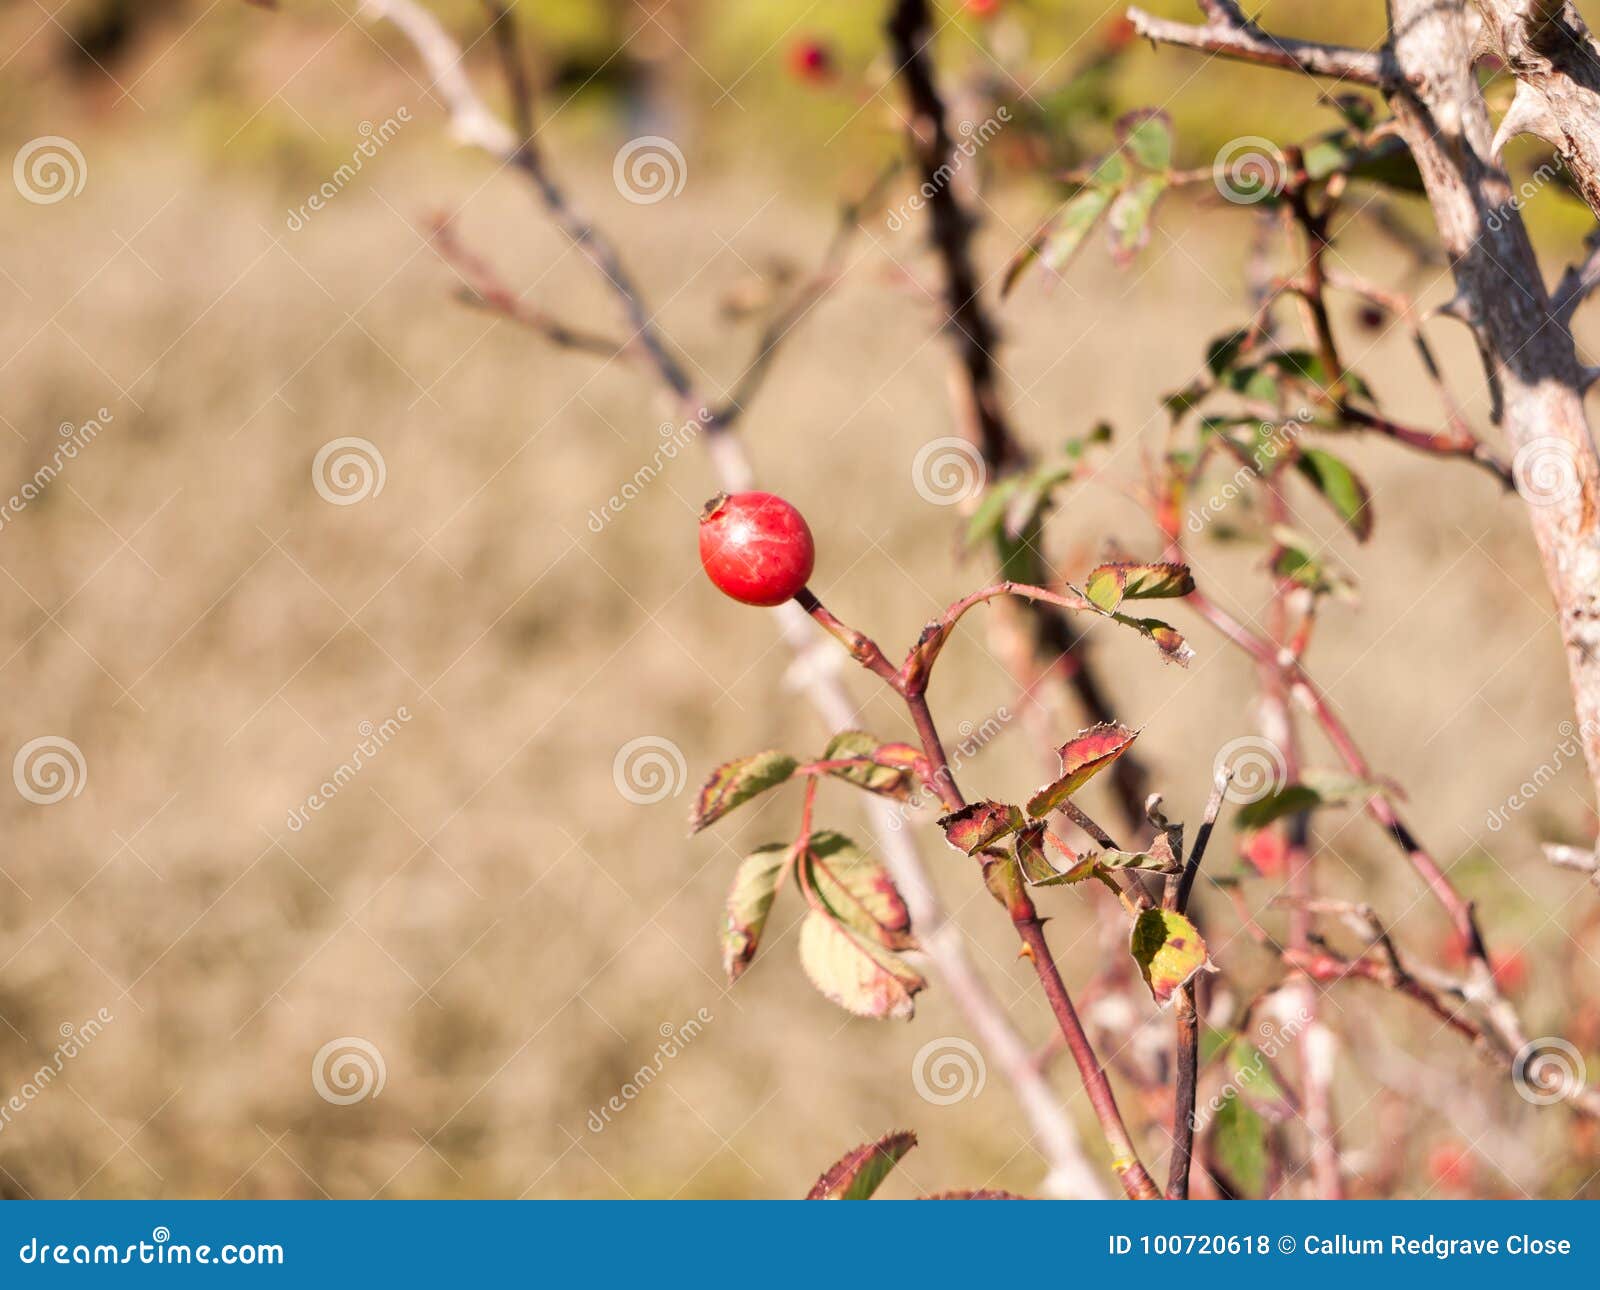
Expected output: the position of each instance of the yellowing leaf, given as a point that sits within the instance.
(858, 890)
(1168, 949)
(1109, 585)
(755, 883)
(855, 973)
(736, 782)
(890, 773)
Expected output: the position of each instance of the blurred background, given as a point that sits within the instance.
(486, 904)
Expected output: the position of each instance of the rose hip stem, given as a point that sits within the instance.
(910, 682)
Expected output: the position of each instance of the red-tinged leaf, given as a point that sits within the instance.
(1341, 486)
(1031, 857)
(749, 901)
(860, 1172)
(1003, 878)
(984, 1193)
(890, 773)
(978, 824)
(1168, 949)
(736, 782)
(1167, 638)
(1036, 865)
(1085, 755)
(858, 890)
(1109, 585)
(857, 974)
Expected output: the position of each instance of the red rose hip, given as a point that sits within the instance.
(755, 547)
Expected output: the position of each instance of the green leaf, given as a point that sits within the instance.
(890, 775)
(858, 890)
(1036, 865)
(1239, 1145)
(859, 975)
(1083, 757)
(1058, 241)
(1128, 222)
(1223, 352)
(1340, 486)
(1146, 135)
(860, 1172)
(1327, 788)
(1168, 949)
(736, 782)
(978, 824)
(1108, 585)
(755, 883)
(1135, 860)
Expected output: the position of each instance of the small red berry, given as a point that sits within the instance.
(811, 60)
(1118, 34)
(755, 547)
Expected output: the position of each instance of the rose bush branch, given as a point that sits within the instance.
(941, 939)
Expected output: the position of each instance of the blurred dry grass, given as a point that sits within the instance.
(480, 903)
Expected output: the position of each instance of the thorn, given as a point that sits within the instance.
(1459, 307)
(1026, 952)
(1528, 114)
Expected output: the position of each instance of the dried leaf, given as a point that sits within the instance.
(857, 974)
(1168, 949)
(978, 824)
(860, 1172)
(755, 883)
(736, 782)
(1082, 757)
(858, 890)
